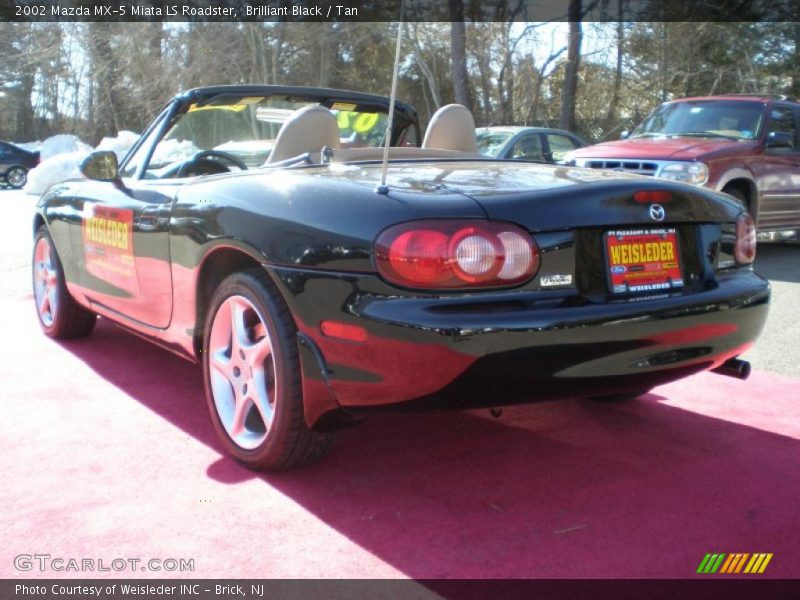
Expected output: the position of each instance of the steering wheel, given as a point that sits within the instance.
(204, 155)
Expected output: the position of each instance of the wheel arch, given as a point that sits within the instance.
(38, 221)
(219, 262)
(743, 181)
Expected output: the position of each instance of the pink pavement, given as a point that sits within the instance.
(108, 452)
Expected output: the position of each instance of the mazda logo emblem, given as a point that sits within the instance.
(657, 212)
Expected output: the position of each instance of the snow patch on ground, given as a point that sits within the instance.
(63, 154)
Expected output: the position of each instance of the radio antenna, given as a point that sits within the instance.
(383, 188)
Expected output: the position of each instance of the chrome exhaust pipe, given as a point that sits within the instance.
(735, 367)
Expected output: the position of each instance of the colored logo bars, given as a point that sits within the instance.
(735, 563)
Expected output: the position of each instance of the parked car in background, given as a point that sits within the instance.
(746, 146)
(526, 143)
(15, 163)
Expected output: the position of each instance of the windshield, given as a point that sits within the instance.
(246, 128)
(708, 118)
(491, 142)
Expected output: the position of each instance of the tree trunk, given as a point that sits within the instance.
(458, 54)
(105, 72)
(570, 86)
(617, 85)
(794, 91)
(24, 117)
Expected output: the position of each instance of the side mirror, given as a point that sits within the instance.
(780, 139)
(624, 134)
(101, 166)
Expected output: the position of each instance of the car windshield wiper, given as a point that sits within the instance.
(648, 134)
(707, 134)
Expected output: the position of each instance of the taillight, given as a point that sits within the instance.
(745, 250)
(657, 196)
(456, 254)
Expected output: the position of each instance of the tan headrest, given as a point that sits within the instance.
(451, 128)
(307, 130)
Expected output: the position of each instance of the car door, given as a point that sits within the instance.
(122, 243)
(557, 145)
(5, 158)
(528, 146)
(779, 178)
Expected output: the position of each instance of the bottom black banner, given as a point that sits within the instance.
(561, 589)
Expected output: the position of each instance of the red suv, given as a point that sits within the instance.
(746, 146)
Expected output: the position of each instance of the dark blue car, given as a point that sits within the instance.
(15, 164)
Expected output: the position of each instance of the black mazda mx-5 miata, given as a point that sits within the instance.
(248, 230)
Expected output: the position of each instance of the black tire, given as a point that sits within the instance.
(287, 440)
(619, 398)
(17, 177)
(68, 319)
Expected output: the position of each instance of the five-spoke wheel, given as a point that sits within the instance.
(252, 376)
(242, 372)
(59, 314)
(45, 282)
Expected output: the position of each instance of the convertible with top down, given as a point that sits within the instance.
(250, 230)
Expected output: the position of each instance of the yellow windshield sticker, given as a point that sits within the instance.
(230, 107)
(343, 106)
(365, 122)
(358, 122)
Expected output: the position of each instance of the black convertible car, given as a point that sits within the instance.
(249, 231)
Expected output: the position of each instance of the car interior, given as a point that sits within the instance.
(311, 134)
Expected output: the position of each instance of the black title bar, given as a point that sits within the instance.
(389, 10)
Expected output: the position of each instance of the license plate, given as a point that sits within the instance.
(643, 260)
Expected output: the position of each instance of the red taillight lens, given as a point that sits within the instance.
(745, 250)
(456, 254)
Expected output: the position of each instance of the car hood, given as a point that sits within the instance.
(673, 148)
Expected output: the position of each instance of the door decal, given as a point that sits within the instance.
(108, 245)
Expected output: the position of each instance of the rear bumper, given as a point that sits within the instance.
(514, 347)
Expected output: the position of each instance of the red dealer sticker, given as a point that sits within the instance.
(108, 246)
(643, 260)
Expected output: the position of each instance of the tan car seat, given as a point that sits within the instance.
(309, 129)
(451, 128)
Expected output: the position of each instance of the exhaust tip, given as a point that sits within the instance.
(735, 367)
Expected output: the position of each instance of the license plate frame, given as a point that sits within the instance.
(650, 255)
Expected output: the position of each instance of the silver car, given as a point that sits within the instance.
(527, 143)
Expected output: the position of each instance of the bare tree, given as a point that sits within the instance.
(569, 88)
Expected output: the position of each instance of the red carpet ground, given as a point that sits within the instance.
(107, 452)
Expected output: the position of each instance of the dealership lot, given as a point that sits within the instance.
(108, 453)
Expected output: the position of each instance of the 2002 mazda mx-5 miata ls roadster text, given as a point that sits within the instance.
(248, 231)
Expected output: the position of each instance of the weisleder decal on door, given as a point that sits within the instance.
(108, 246)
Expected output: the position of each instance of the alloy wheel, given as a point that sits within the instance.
(45, 282)
(17, 177)
(242, 372)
